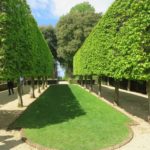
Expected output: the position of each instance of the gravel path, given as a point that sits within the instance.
(11, 140)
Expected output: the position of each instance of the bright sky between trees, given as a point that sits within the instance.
(48, 11)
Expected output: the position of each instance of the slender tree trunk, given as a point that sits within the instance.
(85, 81)
(38, 85)
(91, 83)
(129, 85)
(116, 100)
(32, 94)
(43, 83)
(108, 81)
(81, 80)
(148, 93)
(99, 86)
(46, 82)
(69, 71)
(22, 86)
(20, 102)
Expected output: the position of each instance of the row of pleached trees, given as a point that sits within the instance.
(119, 46)
(23, 50)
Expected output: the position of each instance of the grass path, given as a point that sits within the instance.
(66, 117)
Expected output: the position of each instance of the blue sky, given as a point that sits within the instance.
(48, 11)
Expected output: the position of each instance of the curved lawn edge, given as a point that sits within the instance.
(32, 144)
(123, 143)
(40, 147)
(116, 146)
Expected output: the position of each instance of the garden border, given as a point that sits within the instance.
(40, 147)
(123, 143)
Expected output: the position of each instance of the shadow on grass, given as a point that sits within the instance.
(134, 104)
(56, 105)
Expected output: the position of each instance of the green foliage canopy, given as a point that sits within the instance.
(50, 36)
(73, 29)
(118, 46)
(84, 7)
(23, 50)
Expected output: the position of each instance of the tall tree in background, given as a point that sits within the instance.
(72, 30)
(50, 36)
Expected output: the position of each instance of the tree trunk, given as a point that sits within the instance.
(43, 83)
(91, 83)
(22, 85)
(32, 95)
(81, 80)
(129, 85)
(20, 102)
(99, 86)
(116, 100)
(69, 71)
(38, 85)
(148, 93)
(22, 88)
(46, 82)
(85, 81)
(108, 81)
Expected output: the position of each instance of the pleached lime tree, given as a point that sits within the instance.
(42, 57)
(23, 50)
(118, 46)
(133, 45)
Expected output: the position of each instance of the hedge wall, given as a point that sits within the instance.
(118, 46)
(23, 50)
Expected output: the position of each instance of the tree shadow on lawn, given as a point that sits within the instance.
(56, 105)
(134, 104)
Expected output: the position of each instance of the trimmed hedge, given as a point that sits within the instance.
(23, 50)
(118, 46)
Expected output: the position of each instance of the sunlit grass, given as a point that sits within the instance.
(66, 117)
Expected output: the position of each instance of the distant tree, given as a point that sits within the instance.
(82, 8)
(50, 37)
(72, 30)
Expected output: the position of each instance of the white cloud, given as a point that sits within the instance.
(62, 7)
(57, 8)
(39, 4)
(41, 8)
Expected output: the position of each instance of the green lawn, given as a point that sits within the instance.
(66, 117)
